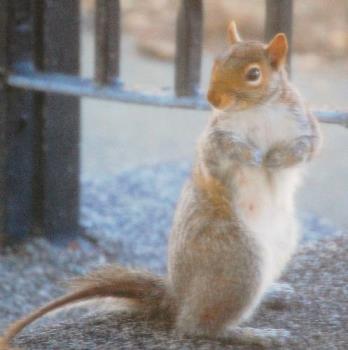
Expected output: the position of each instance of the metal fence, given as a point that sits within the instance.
(39, 100)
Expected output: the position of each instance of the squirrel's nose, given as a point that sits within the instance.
(220, 100)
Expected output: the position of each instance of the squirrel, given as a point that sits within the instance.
(234, 229)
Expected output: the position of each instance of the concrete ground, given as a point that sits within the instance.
(118, 136)
(315, 315)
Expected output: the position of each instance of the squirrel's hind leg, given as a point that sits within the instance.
(280, 296)
(267, 338)
(204, 318)
(215, 329)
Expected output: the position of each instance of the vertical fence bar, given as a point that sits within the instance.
(188, 47)
(107, 38)
(3, 112)
(16, 122)
(57, 181)
(279, 15)
(38, 128)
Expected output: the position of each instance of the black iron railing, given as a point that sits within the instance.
(39, 100)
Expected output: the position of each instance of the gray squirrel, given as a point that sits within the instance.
(234, 228)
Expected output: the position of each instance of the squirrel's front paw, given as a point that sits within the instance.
(247, 153)
(288, 154)
(253, 157)
(301, 148)
(280, 296)
(277, 158)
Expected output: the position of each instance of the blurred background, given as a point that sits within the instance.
(124, 138)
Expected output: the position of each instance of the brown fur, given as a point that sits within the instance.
(215, 193)
(228, 75)
(149, 291)
(230, 237)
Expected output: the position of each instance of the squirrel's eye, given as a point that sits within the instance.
(253, 74)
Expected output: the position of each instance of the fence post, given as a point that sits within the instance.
(16, 124)
(57, 179)
(39, 132)
(107, 41)
(3, 114)
(279, 15)
(189, 29)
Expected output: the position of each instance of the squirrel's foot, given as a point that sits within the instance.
(279, 296)
(267, 338)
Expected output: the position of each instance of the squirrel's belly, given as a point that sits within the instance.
(266, 208)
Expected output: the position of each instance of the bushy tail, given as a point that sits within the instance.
(148, 290)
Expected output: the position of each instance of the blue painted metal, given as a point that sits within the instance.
(73, 85)
(16, 124)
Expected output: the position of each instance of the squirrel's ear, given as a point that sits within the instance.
(232, 33)
(277, 50)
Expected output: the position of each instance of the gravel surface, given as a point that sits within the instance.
(127, 219)
(136, 209)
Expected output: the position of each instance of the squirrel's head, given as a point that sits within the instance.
(248, 73)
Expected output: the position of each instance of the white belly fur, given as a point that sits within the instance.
(265, 200)
(265, 205)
